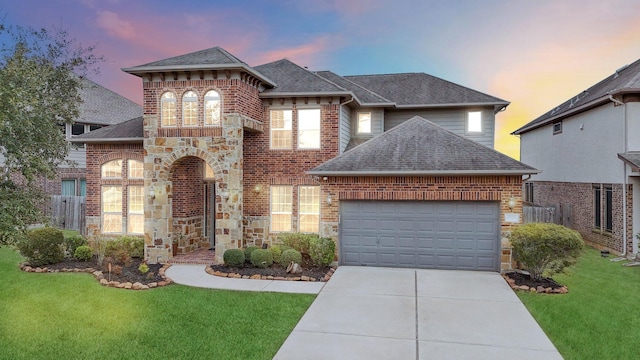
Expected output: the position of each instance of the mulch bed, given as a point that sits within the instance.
(121, 276)
(522, 281)
(275, 272)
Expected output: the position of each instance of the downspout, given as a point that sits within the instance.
(624, 176)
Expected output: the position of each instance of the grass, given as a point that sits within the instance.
(599, 317)
(70, 316)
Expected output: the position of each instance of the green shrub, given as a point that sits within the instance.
(289, 256)
(83, 253)
(261, 258)
(42, 246)
(143, 268)
(248, 251)
(541, 247)
(123, 248)
(72, 243)
(298, 241)
(322, 251)
(233, 257)
(276, 251)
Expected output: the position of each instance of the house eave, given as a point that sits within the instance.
(140, 70)
(106, 140)
(424, 173)
(496, 105)
(288, 94)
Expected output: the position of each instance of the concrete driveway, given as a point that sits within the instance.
(383, 313)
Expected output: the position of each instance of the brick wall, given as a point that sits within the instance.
(186, 177)
(580, 198)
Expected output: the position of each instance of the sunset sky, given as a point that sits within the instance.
(535, 54)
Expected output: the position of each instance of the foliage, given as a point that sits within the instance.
(276, 252)
(40, 77)
(123, 248)
(544, 247)
(248, 251)
(233, 257)
(72, 243)
(322, 251)
(99, 247)
(289, 256)
(298, 241)
(83, 253)
(143, 268)
(261, 258)
(42, 246)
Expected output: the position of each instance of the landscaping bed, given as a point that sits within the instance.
(274, 272)
(522, 281)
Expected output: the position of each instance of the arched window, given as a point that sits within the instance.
(112, 169)
(212, 108)
(190, 109)
(168, 113)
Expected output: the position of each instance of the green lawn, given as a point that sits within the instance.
(599, 317)
(70, 316)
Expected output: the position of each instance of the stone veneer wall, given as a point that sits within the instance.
(443, 188)
(579, 197)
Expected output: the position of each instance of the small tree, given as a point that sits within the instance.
(40, 76)
(544, 247)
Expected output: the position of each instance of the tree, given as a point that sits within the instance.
(40, 78)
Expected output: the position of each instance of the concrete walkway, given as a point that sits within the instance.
(383, 313)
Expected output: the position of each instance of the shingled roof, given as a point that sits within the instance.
(420, 89)
(293, 79)
(215, 58)
(420, 147)
(624, 80)
(128, 131)
(104, 107)
(364, 96)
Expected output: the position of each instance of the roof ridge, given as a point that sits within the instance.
(111, 91)
(316, 75)
(362, 87)
(229, 55)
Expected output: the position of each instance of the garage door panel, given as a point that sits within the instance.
(429, 234)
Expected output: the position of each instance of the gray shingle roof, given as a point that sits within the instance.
(128, 131)
(364, 95)
(631, 158)
(291, 78)
(626, 79)
(104, 107)
(415, 89)
(207, 59)
(420, 147)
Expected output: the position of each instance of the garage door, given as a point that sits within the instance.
(460, 235)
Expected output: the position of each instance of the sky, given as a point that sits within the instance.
(535, 54)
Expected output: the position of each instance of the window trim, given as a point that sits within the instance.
(271, 129)
(301, 213)
(102, 169)
(208, 97)
(138, 213)
(319, 129)
(370, 131)
(129, 167)
(165, 99)
(603, 208)
(103, 212)
(469, 129)
(271, 212)
(191, 99)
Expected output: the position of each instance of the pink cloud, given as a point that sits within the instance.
(308, 54)
(114, 25)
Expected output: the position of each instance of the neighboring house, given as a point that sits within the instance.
(399, 169)
(588, 149)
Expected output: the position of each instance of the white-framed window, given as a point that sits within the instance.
(281, 205)
(189, 109)
(474, 121)
(112, 209)
(135, 208)
(136, 169)
(112, 169)
(309, 209)
(364, 123)
(168, 109)
(212, 108)
(68, 187)
(309, 129)
(281, 125)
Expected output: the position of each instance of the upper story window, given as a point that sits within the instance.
(168, 111)
(364, 123)
(474, 121)
(112, 169)
(212, 108)
(136, 169)
(190, 109)
(309, 129)
(557, 128)
(280, 124)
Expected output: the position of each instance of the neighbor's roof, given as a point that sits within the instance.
(215, 58)
(420, 147)
(128, 131)
(103, 106)
(624, 80)
(631, 158)
(293, 80)
(409, 90)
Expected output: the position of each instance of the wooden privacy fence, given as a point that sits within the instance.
(555, 213)
(67, 212)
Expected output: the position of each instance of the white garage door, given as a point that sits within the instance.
(461, 235)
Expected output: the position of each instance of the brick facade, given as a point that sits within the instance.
(578, 199)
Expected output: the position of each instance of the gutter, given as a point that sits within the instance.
(423, 173)
(105, 140)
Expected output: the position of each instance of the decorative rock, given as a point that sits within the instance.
(28, 269)
(270, 277)
(153, 285)
(278, 278)
(245, 276)
(540, 289)
(97, 273)
(562, 290)
(120, 285)
(104, 282)
(38, 270)
(128, 285)
(256, 276)
(163, 283)
(144, 287)
(114, 284)
(45, 269)
(136, 286)
(297, 278)
(523, 287)
(304, 278)
(548, 290)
